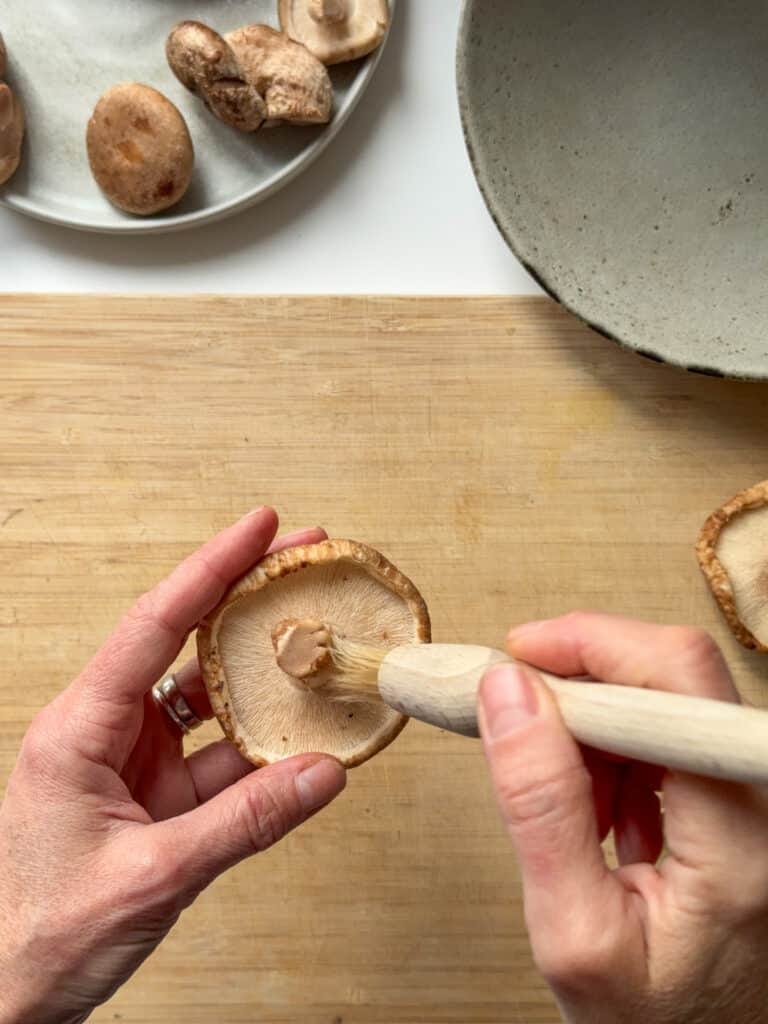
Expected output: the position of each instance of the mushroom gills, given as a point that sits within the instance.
(336, 31)
(270, 703)
(742, 549)
(329, 11)
(266, 657)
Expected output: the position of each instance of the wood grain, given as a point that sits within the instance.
(510, 461)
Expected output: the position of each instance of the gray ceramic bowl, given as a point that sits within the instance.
(622, 149)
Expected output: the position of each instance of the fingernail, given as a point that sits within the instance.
(509, 700)
(254, 512)
(320, 783)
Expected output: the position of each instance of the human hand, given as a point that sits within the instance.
(677, 943)
(107, 832)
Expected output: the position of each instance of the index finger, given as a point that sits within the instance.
(614, 649)
(153, 632)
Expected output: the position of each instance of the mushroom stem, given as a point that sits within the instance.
(328, 11)
(302, 650)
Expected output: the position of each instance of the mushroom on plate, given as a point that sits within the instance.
(733, 554)
(11, 124)
(295, 85)
(264, 652)
(336, 30)
(139, 149)
(204, 63)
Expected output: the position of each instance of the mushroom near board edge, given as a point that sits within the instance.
(733, 554)
(336, 31)
(264, 651)
(295, 85)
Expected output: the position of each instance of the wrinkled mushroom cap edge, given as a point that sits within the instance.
(719, 581)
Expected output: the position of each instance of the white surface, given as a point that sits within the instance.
(125, 43)
(391, 207)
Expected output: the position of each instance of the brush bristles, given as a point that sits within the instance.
(356, 670)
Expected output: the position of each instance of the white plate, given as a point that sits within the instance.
(64, 55)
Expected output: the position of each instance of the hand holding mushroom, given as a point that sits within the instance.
(107, 832)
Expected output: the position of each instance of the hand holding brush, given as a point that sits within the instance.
(438, 683)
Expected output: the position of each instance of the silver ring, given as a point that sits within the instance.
(169, 697)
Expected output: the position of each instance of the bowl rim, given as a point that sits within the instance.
(537, 271)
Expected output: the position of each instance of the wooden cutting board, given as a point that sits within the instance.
(510, 461)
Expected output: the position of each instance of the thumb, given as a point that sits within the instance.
(248, 817)
(545, 794)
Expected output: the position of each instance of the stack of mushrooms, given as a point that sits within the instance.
(258, 76)
(11, 124)
(733, 554)
(265, 652)
(139, 147)
(251, 77)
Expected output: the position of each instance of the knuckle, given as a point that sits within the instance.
(146, 870)
(38, 749)
(200, 560)
(153, 880)
(265, 820)
(579, 964)
(694, 644)
(150, 609)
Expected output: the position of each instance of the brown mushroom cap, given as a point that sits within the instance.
(11, 123)
(300, 595)
(203, 62)
(336, 30)
(139, 148)
(733, 554)
(295, 85)
(11, 132)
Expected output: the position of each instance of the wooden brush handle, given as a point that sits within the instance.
(437, 684)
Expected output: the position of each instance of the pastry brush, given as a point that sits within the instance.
(437, 684)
